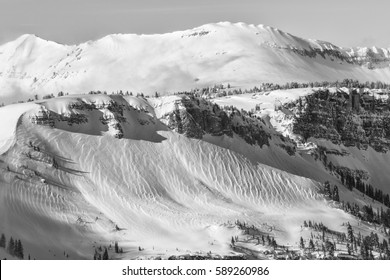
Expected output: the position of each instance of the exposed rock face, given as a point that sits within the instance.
(111, 115)
(371, 58)
(195, 117)
(357, 119)
(192, 116)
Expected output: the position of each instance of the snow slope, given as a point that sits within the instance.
(282, 120)
(240, 54)
(153, 188)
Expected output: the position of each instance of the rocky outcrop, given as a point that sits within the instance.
(195, 117)
(355, 119)
(371, 58)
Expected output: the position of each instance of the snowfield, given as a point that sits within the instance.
(281, 119)
(240, 54)
(70, 188)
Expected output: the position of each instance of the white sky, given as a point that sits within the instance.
(342, 22)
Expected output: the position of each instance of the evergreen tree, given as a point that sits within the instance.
(329, 247)
(2, 241)
(11, 246)
(349, 249)
(19, 251)
(96, 255)
(351, 237)
(323, 249)
(16, 250)
(105, 254)
(301, 243)
(116, 247)
(311, 244)
(335, 194)
(274, 244)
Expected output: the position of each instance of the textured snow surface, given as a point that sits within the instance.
(239, 54)
(167, 194)
(282, 121)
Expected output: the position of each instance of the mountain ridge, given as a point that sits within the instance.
(240, 54)
(210, 25)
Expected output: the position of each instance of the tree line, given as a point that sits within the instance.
(365, 213)
(14, 246)
(352, 182)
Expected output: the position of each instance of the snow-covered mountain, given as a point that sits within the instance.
(161, 176)
(240, 54)
(213, 173)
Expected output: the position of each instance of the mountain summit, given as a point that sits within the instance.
(236, 53)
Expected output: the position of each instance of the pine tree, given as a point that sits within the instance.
(11, 246)
(349, 249)
(105, 254)
(116, 247)
(274, 244)
(2, 241)
(232, 241)
(17, 248)
(335, 194)
(351, 237)
(311, 244)
(329, 248)
(301, 243)
(19, 251)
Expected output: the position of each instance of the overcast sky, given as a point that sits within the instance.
(343, 22)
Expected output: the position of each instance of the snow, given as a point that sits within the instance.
(282, 121)
(10, 116)
(168, 194)
(5, 255)
(240, 54)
